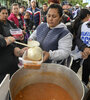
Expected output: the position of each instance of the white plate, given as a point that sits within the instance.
(33, 43)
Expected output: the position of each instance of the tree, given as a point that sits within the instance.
(42, 1)
(80, 2)
(73, 2)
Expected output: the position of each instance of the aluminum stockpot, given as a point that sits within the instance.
(48, 73)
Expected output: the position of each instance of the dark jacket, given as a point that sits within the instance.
(29, 24)
(8, 61)
(18, 22)
(43, 16)
(81, 44)
(35, 17)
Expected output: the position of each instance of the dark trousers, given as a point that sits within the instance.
(76, 65)
(86, 70)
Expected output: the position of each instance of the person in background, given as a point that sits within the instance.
(53, 36)
(67, 21)
(16, 17)
(67, 8)
(76, 11)
(83, 43)
(53, 2)
(70, 10)
(8, 50)
(67, 12)
(22, 10)
(35, 14)
(29, 25)
(83, 17)
(44, 12)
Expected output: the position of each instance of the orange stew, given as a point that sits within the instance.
(33, 65)
(43, 91)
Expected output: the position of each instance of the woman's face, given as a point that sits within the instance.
(53, 18)
(15, 10)
(4, 15)
(88, 16)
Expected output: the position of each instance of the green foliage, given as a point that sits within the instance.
(42, 1)
(73, 2)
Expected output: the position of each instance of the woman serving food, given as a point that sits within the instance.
(53, 36)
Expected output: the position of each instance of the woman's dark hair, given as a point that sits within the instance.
(83, 14)
(58, 7)
(2, 8)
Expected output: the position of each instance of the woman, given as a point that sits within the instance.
(83, 42)
(29, 25)
(17, 18)
(83, 17)
(8, 51)
(54, 37)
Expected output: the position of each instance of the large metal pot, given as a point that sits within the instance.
(49, 73)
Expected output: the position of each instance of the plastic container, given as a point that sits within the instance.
(33, 43)
(16, 33)
(31, 64)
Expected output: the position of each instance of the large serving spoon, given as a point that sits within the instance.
(22, 44)
(30, 44)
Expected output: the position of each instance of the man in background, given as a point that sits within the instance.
(35, 14)
(22, 10)
(44, 12)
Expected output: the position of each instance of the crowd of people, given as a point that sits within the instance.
(62, 31)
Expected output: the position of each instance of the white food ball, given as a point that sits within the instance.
(35, 53)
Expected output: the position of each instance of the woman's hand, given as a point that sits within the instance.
(86, 53)
(23, 50)
(9, 39)
(21, 37)
(23, 31)
(19, 52)
(46, 56)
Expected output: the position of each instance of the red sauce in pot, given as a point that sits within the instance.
(43, 91)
